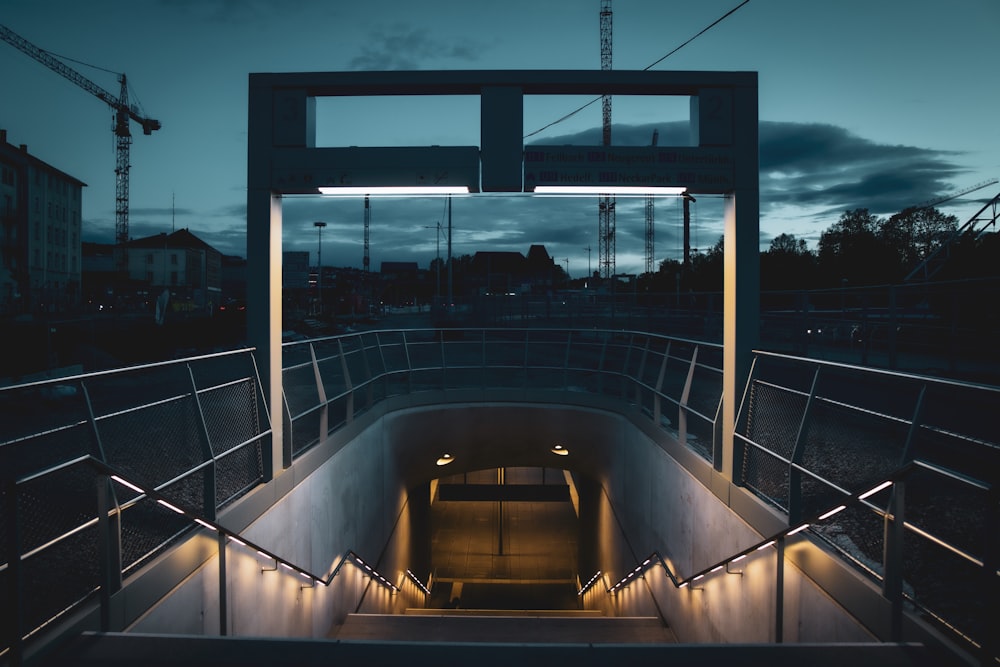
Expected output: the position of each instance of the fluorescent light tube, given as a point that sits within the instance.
(607, 190)
(361, 190)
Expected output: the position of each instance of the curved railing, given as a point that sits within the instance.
(676, 382)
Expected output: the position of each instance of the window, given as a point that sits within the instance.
(149, 258)
(173, 277)
(173, 259)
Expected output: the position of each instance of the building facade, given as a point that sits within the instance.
(181, 263)
(40, 246)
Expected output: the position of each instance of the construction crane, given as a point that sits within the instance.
(952, 195)
(650, 213)
(123, 136)
(606, 203)
(975, 226)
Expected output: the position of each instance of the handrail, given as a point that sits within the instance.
(778, 539)
(237, 537)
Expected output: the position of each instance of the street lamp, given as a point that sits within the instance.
(319, 264)
(437, 226)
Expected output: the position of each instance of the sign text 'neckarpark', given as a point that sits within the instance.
(707, 170)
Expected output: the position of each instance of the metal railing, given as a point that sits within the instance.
(676, 382)
(195, 431)
(811, 435)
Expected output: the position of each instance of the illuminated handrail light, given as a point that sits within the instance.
(590, 583)
(399, 190)
(835, 510)
(170, 507)
(373, 573)
(417, 581)
(872, 492)
(799, 529)
(126, 483)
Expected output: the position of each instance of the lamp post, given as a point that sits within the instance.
(319, 225)
(437, 290)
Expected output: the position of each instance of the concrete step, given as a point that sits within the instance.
(523, 627)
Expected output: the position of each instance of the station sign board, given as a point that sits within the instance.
(700, 169)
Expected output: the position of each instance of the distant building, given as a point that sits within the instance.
(505, 272)
(400, 283)
(295, 269)
(181, 262)
(40, 256)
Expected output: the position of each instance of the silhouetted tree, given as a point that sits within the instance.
(915, 233)
(707, 269)
(787, 264)
(854, 250)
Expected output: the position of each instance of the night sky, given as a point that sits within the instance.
(879, 104)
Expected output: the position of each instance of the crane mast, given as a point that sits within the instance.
(124, 112)
(650, 214)
(606, 203)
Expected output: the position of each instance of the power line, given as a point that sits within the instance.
(648, 67)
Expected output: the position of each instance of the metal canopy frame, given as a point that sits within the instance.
(284, 160)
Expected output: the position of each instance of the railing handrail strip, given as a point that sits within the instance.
(67, 379)
(881, 371)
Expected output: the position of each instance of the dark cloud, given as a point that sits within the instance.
(828, 168)
(403, 47)
(820, 166)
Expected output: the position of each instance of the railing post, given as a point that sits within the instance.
(409, 365)
(324, 412)
(108, 549)
(798, 452)
(892, 565)
(639, 372)
(657, 401)
(223, 587)
(369, 387)
(14, 627)
(682, 403)
(349, 408)
(209, 484)
(779, 592)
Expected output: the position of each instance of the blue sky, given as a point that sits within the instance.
(863, 103)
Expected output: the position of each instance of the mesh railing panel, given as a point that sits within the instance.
(230, 415)
(299, 387)
(154, 444)
(238, 472)
(706, 390)
(331, 368)
(392, 349)
(773, 417)
(60, 577)
(354, 357)
(674, 378)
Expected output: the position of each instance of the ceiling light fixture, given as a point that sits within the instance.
(445, 459)
(362, 190)
(607, 190)
(559, 450)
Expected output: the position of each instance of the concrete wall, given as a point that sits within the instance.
(662, 507)
(353, 500)
(351, 493)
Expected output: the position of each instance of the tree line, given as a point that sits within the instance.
(861, 249)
